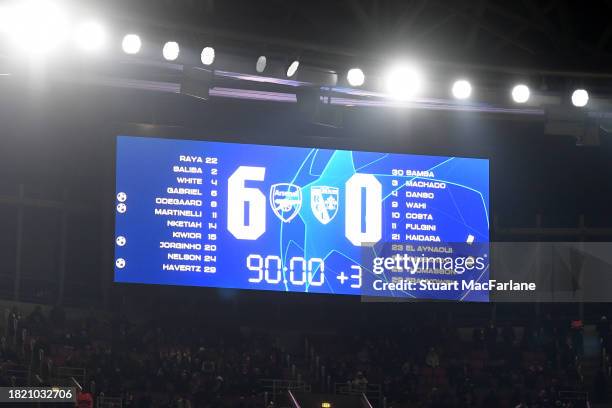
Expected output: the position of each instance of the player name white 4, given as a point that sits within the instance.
(189, 180)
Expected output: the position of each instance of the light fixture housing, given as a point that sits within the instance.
(462, 89)
(293, 68)
(261, 64)
(404, 81)
(355, 77)
(580, 98)
(171, 51)
(131, 44)
(208, 56)
(521, 93)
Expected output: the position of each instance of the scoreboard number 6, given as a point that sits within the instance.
(239, 196)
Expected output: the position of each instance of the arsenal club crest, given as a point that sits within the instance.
(286, 200)
(324, 202)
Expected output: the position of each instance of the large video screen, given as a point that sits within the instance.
(296, 219)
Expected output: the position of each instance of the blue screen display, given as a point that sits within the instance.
(295, 219)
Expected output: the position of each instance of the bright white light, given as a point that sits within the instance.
(580, 98)
(520, 93)
(404, 82)
(131, 44)
(34, 26)
(462, 89)
(90, 36)
(208, 56)
(355, 77)
(171, 51)
(293, 68)
(260, 66)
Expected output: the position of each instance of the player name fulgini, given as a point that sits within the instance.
(178, 201)
(421, 227)
(178, 213)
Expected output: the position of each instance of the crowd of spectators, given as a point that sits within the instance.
(171, 364)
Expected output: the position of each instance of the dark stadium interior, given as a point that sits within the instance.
(137, 345)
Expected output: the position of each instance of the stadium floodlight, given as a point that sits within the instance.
(580, 98)
(171, 51)
(292, 68)
(208, 56)
(462, 89)
(355, 77)
(34, 26)
(520, 93)
(131, 44)
(261, 64)
(404, 82)
(90, 36)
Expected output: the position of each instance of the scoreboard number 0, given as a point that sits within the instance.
(239, 195)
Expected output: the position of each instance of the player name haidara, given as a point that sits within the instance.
(422, 238)
(178, 201)
(425, 184)
(178, 213)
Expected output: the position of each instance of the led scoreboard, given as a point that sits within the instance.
(230, 215)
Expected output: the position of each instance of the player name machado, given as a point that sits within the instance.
(430, 285)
